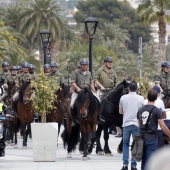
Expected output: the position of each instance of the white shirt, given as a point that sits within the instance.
(130, 103)
(158, 103)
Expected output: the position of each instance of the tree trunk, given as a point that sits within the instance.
(43, 118)
(162, 42)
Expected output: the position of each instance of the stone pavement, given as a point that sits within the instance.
(22, 159)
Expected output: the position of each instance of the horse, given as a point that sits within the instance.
(59, 112)
(110, 110)
(86, 108)
(13, 125)
(25, 110)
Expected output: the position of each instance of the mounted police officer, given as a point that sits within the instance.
(3, 76)
(5, 73)
(18, 69)
(105, 78)
(34, 76)
(11, 78)
(47, 68)
(80, 79)
(162, 79)
(55, 73)
(21, 78)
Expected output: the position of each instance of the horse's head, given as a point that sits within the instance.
(63, 94)
(25, 92)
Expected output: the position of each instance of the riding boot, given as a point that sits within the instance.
(13, 106)
(101, 119)
(73, 123)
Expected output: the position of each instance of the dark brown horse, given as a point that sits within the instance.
(86, 108)
(25, 110)
(13, 125)
(61, 105)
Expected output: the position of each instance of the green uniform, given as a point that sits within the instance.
(3, 76)
(34, 76)
(11, 79)
(23, 77)
(164, 80)
(81, 80)
(58, 76)
(106, 79)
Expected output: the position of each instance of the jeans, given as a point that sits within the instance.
(127, 131)
(160, 138)
(149, 147)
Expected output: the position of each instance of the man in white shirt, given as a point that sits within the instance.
(128, 106)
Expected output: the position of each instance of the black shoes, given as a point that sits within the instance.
(124, 168)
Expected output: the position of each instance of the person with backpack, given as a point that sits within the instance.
(149, 117)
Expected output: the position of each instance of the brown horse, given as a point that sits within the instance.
(25, 110)
(86, 108)
(61, 105)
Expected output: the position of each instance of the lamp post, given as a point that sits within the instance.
(90, 25)
(140, 56)
(68, 70)
(45, 38)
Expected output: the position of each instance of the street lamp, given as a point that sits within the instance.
(90, 25)
(68, 70)
(140, 56)
(45, 38)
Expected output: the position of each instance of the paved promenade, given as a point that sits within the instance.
(22, 159)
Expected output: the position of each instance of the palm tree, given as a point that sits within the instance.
(41, 15)
(9, 44)
(153, 11)
(11, 15)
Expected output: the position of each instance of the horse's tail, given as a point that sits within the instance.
(70, 140)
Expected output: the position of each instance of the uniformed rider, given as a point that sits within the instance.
(21, 78)
(11, 79)
(5, 73)
(47, 68)
(105, 78)
(55, 73)
(34, 76)
(162, 79)
(80, 79)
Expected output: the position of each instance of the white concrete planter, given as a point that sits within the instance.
(44, 141)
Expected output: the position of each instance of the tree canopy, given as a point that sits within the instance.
(115, 12)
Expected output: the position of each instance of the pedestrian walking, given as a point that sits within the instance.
(128, 106)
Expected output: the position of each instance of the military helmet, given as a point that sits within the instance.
(31, 66)
(78, 66)
(47, 66)
(108, 59)
(25, 64)
(5, 64)
(165, 64)
(84, 61)
(18, 67)
(13, 68)
(54, 64)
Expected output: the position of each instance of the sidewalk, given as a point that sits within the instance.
(22, 159)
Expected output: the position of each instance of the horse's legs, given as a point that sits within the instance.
(99, 149)
(81, 145)
(106, 138)
(23, 132)
(93, 139)
(59, 126)
(28, 131)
